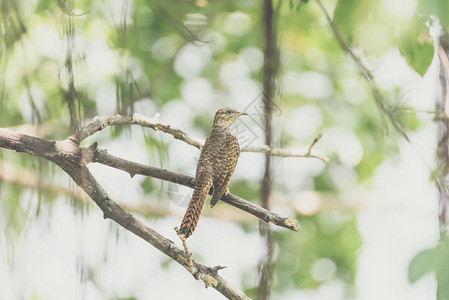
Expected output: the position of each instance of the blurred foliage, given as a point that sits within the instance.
(331, 235)
(142, 56)
(434, 260)
(438, 8)
(378, 31)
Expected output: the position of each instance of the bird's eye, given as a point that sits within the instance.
(229, 112)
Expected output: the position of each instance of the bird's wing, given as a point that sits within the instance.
(226, 167)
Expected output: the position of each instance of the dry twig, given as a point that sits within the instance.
(99, 123)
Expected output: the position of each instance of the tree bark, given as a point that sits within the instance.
(442, 155)
(443, 135)
(270, 71)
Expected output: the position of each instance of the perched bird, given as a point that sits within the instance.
(215, 167)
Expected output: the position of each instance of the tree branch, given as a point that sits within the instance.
(366, 74)
(99, 123)
(73, 159)
(269, 76)
(133, 168)
(92, 154)
(25, 178)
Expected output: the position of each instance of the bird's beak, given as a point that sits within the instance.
(242, 114)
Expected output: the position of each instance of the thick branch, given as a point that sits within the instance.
(101, 156)
(98, 123)
(46, 149)
(72, 159)
(112, 210)
(25, 178)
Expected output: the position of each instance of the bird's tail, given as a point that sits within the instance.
(194, 209)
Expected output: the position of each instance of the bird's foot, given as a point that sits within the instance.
(189, 263)
(227, 191)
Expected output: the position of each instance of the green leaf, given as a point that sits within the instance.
(415, 47)
(345, 16)
(432, 260)
(148, 185)
(421, 264)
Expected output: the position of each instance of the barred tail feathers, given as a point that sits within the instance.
(194, 209)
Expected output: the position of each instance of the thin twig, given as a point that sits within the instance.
(315, 140)
(366, 73)
(99, 123)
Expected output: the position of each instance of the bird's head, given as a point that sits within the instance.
(225, 116)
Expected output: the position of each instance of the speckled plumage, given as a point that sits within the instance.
(214, 169)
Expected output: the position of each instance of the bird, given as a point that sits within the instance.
(215, 167)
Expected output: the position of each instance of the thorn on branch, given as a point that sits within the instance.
(315, 140)
(94, 146)
(130, 216)
(169, 246)
(197, 276)
(214, 270)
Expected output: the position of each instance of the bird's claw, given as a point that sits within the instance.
(189, 263)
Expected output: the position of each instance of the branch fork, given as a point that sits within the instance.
(74, 159)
